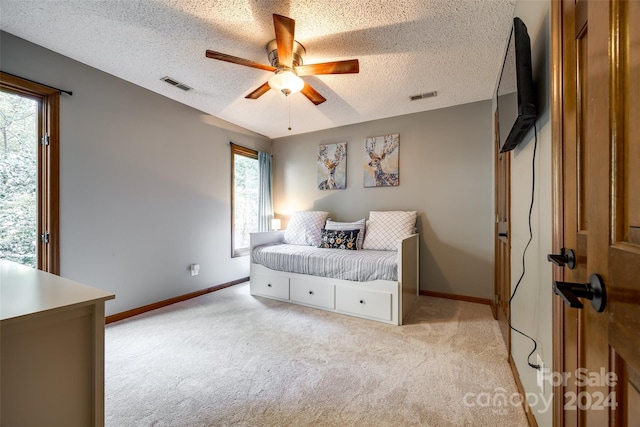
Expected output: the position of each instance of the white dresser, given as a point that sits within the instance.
(52, 350)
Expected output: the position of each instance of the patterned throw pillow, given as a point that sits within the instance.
(385, 228)
(360, 225)
(305, 228)
(339, 239)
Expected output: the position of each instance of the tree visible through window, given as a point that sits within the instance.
(18, 178)
(29, 178)
(246, 185)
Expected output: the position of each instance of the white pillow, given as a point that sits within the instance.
(305, 228)
(356, 225)
(385, 228)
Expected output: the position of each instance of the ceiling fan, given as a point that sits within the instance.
(285, 55)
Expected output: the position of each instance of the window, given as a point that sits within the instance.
(29, 173)
(245, 181)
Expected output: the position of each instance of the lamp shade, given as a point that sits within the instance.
(276, 224)
(286, 81)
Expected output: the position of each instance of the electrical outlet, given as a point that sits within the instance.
(195, 269)
(540, 373)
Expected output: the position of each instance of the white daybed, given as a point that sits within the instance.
(387, 301)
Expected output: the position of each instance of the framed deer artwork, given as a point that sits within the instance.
(332, 166)
(381, 161)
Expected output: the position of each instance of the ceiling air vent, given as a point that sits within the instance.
(424, 95)
(174, 82)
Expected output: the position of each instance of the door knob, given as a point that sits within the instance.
(568, 258)
(593, 291)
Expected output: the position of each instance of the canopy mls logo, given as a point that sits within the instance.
(594, 400)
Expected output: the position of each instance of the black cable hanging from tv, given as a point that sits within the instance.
(524, 253)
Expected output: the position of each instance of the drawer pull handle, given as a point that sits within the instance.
(361, 301)
(268, 285)
(310, 292)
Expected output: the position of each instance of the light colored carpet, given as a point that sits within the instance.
(228, 358)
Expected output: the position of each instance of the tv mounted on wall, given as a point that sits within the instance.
(516, 104)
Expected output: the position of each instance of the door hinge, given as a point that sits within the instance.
(496, 299)
(45, 139)
(44, 237)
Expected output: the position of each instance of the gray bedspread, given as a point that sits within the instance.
(359, 266)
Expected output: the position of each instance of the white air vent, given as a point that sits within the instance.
(424, 95)
(174, 82)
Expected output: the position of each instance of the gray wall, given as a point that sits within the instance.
(145, 183)
(531, 307)
(445, 174)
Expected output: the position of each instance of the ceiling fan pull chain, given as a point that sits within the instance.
(289, 105)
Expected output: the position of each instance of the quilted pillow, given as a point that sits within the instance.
(339, 239)
(305, 228)
(385, 228)
(359, 225)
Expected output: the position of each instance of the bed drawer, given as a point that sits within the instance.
(364, 302)
(311, 292)
(271, 285)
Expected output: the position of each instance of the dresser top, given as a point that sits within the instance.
(25, 291)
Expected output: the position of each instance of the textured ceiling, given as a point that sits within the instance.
(405, 47)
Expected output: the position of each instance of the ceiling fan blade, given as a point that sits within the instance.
(259, 92)
(285, 30)
(312, 94)
(350, 66)
(240, 61)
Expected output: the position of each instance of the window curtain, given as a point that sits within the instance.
(265, 196)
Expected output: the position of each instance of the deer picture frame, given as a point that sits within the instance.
(332, 166)
(381, 167)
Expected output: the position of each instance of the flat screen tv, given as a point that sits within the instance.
(515, 94)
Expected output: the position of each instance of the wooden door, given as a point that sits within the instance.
(597, 127)
(502, 246)
(624, 195)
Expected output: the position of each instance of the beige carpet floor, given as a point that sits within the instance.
(230, 359)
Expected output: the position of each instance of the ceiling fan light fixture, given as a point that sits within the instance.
(286, 81)
(286, 58)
